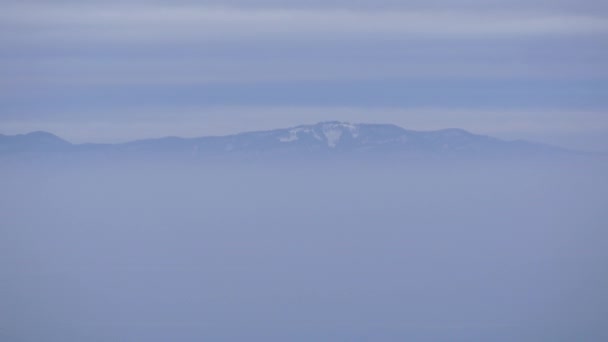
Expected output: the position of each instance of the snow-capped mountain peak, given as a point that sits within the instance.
(329, 132)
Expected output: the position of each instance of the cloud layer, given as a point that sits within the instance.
(66, 60)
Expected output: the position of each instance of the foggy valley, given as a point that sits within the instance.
(325, 251)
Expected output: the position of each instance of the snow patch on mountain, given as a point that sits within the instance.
(296, 132)
(334, 131)
(330, 132)
(293, 136)
(332, 135)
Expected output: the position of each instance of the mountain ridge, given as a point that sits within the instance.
(323, 139)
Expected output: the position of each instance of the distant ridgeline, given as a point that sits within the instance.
(322, 140)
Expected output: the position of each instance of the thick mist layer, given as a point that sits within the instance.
(484, 252)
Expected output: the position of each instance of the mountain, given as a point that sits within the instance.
(322, 140)
(35, 142)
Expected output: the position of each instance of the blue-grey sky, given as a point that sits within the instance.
(112, 71)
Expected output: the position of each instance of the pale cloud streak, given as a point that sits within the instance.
(129, 23)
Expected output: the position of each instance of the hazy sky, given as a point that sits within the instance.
(118, 70)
